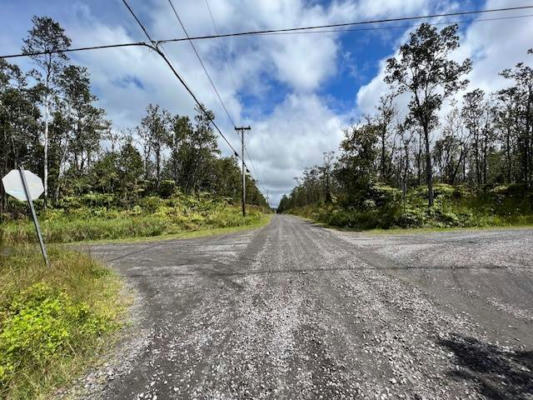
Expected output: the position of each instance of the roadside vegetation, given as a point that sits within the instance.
(385, 208)
(55, 321)
(99, 217)
(165, 176)
(419, 166)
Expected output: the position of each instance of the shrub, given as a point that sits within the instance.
(410, 218)
(42, 323)
(151, 217)
(167, 188)
(150, 204)
(52, 320)
(456, 206)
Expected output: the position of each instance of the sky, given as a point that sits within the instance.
(298, 92)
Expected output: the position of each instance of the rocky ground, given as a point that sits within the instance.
(296, 311)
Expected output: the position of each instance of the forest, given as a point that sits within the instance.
(164, 177)
(51, 124)
(450, 157)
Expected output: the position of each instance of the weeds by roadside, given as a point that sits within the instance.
(53, 321)
(384, 208)
(94, 217)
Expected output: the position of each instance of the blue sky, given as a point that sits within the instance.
(297, 91)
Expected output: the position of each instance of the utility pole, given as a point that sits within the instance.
(241, 130)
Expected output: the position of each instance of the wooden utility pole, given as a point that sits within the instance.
(241, 130)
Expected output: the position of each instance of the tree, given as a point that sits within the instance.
(405, 136)
(385, 115)
(46, 36)
(522, 75)
(452, 148)
(472, 113)
(326, 170)
(130, 170)
(356, 169)
(77, 127)
(19, 144)
(197, 153)
(181, 129)
(423, 69)
(156, 125)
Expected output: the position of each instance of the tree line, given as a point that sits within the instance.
(51, 124)
(480, 140)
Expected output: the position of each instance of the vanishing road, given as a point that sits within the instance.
(296, 311)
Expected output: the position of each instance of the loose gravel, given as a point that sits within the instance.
(296, 311)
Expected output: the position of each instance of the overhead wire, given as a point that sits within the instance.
(354, 23)
(233, 81)
(221, 101)
(377, 28)
(71, 50)
(202, 63)
(299, 30)
(155, 46)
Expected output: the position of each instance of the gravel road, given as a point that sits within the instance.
(296, 311)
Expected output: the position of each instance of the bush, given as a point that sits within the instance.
(153, 216)
(150, 204)
(454, 207)
(167, 188)
(40, 324)
(52, 320)
(411, 218)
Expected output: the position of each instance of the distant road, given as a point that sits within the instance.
(296, 311)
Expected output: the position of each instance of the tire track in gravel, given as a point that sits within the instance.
(377, 315)
(295, 311)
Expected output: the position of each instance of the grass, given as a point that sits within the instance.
(191, 234)
(408, 231)
(454, 208)
(54, 322)
(184, 216)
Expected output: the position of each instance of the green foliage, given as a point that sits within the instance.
(52, 320)
(454, 207)
(153, 216)
(167, 188)
(41, 324)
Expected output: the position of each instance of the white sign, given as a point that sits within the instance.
(13, 185)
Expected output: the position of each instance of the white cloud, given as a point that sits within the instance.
(293, 137)
(302, 126)
(492, 46)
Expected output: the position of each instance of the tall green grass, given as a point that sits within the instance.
(454, 207)
(152, 217)
(53, 321)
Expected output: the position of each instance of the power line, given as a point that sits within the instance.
(211, 15)
(232, 77)
(157, 49)
(345, 24)
(226, 58)
(300, 30)
(99, 47)
(254, 170)
(138, 21)
(341, 30)
(202, 63)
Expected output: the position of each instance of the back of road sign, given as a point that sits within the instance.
(13, 185)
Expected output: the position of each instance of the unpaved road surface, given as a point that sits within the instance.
(296, 311)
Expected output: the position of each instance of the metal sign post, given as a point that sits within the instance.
(16, 184)
(34, 216)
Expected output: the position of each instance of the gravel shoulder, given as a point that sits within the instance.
(297, 311)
